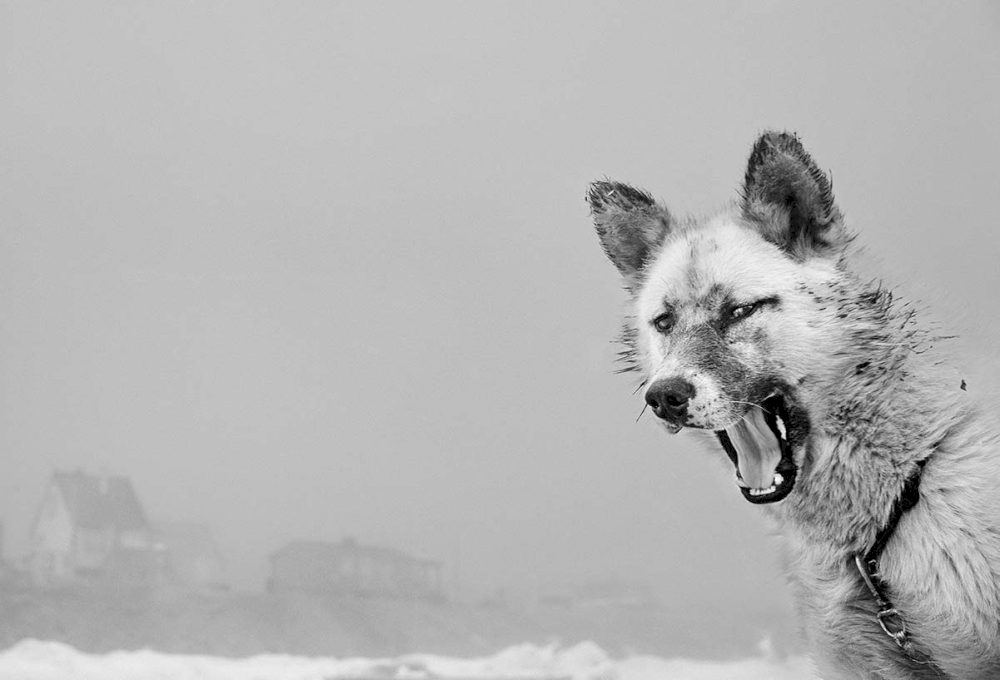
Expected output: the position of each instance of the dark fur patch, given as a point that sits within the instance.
(714, 357)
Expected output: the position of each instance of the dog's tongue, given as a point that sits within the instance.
(758, 451)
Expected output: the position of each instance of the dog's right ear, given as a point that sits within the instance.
(790, 200)
(630, 224)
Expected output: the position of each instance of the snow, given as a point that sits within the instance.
(38, 660)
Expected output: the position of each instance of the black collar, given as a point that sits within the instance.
(888, 617)
(908, 497)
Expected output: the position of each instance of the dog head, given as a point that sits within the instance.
(730, 315)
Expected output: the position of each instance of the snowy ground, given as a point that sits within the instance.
(36, 660)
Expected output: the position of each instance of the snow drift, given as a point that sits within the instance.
(37, 660)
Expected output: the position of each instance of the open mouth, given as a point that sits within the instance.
(759, 448)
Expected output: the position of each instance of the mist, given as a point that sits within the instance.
(324, 271)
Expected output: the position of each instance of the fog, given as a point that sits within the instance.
(325, 270)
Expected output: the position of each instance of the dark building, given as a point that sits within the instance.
(349, 568)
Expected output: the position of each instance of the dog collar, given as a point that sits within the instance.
(887, 616)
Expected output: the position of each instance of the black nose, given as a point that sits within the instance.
(669, 398)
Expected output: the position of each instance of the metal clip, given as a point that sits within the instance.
(865, 569)
(893, 625)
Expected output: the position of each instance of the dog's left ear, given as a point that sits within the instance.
(630, 224)
(790, 200)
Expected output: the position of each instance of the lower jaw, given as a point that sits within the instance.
(778, 494)
(788, 471)
(786, 468)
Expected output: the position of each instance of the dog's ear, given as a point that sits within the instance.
(790, 200)
(630, 224)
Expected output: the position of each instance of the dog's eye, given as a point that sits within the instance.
(664, 322)
(743, 311)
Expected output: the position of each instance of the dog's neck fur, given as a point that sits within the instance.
(878, 409)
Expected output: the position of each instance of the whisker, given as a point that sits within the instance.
(644, 407)
(641, 385)
(746, 403)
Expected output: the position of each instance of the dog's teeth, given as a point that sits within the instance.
(762, 492)
(781, 426)
(778, 479)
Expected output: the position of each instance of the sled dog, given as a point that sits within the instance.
(880, 471)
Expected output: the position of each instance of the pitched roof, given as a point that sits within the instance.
(100, 502)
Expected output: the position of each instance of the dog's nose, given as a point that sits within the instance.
(669, 398)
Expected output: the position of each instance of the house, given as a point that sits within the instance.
(349, 568)
(91, 528)
(190, 555)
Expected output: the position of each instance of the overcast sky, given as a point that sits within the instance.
(308, 270)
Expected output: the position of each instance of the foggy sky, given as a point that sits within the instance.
(308, 270)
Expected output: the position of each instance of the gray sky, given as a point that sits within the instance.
(308, 270)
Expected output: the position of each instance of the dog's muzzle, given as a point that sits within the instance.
(759, 443)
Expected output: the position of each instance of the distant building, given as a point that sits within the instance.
(89, 528)
(349, 568)
(190, 555)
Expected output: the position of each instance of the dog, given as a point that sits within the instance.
(878, 469)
